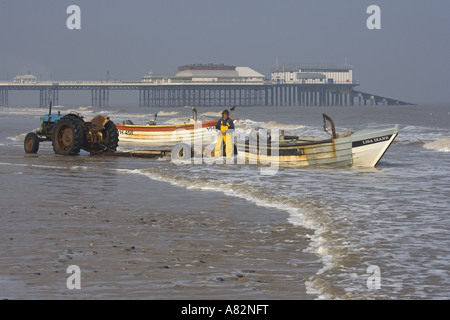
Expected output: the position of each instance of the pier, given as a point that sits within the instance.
(371, 99)
(197, 94)
(217, 85)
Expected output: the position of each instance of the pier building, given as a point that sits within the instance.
(312, 74)
(27, 78)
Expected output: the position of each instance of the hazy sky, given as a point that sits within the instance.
(407, 59)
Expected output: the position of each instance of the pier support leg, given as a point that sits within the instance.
(4, 98)
(144, 97)
(47, 95)
(100, 97)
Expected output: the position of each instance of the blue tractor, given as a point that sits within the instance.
(69, 133)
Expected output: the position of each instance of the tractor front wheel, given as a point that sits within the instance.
(31, 143)
(67, 138)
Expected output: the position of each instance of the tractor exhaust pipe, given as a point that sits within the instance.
(50, 108)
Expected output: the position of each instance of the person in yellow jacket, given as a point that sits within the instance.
(223, 125)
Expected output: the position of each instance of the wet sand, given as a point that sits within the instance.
(134, 238)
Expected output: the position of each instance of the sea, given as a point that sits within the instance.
(98, 227)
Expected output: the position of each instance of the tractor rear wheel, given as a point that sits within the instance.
(109, 141)
(110, 136)
(31, 143)
(67, 138)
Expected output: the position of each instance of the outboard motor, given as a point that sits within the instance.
(153, 122)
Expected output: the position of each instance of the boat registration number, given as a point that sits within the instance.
(126, 132)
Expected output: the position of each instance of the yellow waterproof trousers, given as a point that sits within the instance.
(228, 146)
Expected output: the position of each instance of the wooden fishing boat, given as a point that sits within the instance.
(363, 148)
(298, 151)
(151, 134)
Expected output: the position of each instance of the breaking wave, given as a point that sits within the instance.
(24, 111)
(281, 126)
(217, 114)
(18, 138)
(413, 135)
(83, 109)
(442, 145)
(167, 113)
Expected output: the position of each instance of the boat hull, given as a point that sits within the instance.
(166, 135)
(300, 153)
(363, 148)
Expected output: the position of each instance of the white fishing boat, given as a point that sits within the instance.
(298, 151)
(363, 148)
(151, 134)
